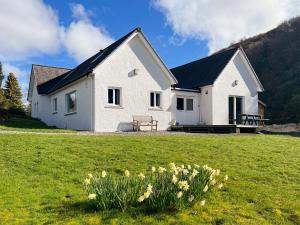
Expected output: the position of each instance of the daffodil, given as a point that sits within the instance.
(149, 188)
(92, 196)
(174, 179)
(172, 166)
(220, 186)
(191, 198)
(141, 198)
(103, 174)
(153, 169)
(179, 194)
(195, 172)
(218, 172)
(161, 169)
(146, 194)
(213, 182)
(202, 203)
(185, 171)
(189, 167)
(127, 173)
(226, 177)
(87, 181)
(141, 176)
(183, 185)
(205, 189)
(90, 175)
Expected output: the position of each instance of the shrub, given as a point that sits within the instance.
(4, 115)
(162, 189)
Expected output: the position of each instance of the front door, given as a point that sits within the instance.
(231, 110)
(235, 107)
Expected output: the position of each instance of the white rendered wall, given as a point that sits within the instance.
(223, 88)
(81, 120)
(185, 117)
(206, 105)
(117, 71)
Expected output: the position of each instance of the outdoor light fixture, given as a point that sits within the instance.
(135, 71)
(235, 83)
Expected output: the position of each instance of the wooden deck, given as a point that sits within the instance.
(232, 128)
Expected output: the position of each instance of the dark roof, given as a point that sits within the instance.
(45, 73)
(203, 71)
(83, 69)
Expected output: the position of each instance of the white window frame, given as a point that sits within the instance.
(54, 105)
(114, 99)
(160, 99)
(177, 97)
(185, 98)
(66, 102)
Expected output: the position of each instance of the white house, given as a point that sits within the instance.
(128, 78)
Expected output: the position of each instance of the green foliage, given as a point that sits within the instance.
(113, 192)
(4, 115)
(13, 92)
(291, 107)
(158, 191)
(1, 75)
(3, 102)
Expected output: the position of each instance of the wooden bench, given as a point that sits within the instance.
(145, 121)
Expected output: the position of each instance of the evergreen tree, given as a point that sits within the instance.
(1, 75)
(13, 92)
(2, 96)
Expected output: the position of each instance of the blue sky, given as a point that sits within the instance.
(64, 33)
(120, 17)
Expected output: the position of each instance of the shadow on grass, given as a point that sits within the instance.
(292, 133)
(25, 123)
(72, 209)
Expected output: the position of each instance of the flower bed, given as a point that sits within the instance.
(161, 189)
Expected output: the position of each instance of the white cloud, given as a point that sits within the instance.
(27, 28)
(9, 68)
(80, 13)
(32, 28)
(222, 22)
(82, 39)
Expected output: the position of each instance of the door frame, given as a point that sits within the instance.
(234, 107)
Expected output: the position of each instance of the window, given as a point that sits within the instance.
(189, 104)
(55, 105)
(71, 102)
(114, 96)
(155, 99)
(180, 104)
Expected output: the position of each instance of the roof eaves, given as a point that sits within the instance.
(252, 69)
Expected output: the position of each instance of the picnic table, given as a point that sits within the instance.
(251, 119)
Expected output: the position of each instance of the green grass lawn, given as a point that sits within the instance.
(42, 175)
(29, 125)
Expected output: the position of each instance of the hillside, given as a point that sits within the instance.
(275, 56)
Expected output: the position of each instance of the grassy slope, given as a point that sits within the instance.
(41, 177)
(29, 125)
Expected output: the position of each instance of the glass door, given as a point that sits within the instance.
(235, 107)
(231, 110)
